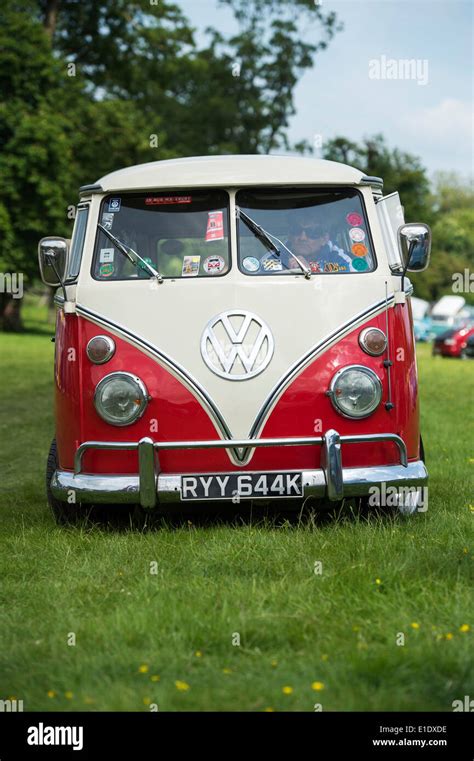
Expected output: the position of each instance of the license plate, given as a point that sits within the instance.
(238, 486)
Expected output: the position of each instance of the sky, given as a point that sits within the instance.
(348, 92)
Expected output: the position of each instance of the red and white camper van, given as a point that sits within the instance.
(234, 328)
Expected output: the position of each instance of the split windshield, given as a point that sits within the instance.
(183, 234)
(326, 230)
(180, 234)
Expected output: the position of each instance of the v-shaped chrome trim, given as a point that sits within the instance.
(237, 455)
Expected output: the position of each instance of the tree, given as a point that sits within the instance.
(36, 156)
(399, 170)
(88, 87)
(234, 95)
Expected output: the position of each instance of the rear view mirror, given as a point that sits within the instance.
(53, 256)
(414, 241)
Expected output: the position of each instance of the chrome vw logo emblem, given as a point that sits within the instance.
(237, 345)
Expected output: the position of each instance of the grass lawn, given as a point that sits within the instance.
(169, 638)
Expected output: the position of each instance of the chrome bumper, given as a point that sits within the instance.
(150, 486)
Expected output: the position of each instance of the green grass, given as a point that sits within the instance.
(254, 578)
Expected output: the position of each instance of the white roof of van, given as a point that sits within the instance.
(230, 171)
(448, 305)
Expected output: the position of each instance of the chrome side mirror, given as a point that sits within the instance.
(53, 256)
(414, 241)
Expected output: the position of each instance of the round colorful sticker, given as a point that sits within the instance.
(106, 270)
(355, 233)
(251, 264)
(354, 219)
(213, 265)
(358, 249)
(359, 264)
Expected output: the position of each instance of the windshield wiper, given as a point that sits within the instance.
(266, 238)
(131, 255)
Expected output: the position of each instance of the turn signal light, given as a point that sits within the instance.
(373, 341)
(100, 349)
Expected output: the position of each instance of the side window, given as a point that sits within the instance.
(77, 246)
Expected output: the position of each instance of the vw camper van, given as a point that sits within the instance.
(234, 329)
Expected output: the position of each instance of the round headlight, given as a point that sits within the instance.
(100, 349)
(373, 341)
(355, 391)
(120, 398)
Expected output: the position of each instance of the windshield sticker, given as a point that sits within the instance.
(314, 267)
(271, 265)
(161, 200)
(191, 266)
(106, 255)
(215, 225)
(107, 220)
(114, 204)
(359, 264)
(355, 233)
(354, 219)
(213, 265)
(251, 264)
(143, 266)
(106, 270)
(358, 249)
(334, 267)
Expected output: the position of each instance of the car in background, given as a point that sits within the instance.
(469, 350)
(422, 324)
(447, 313)
(453, 342)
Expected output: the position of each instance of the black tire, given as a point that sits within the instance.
(422, 449)
(63, 512)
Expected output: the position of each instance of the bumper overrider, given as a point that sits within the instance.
(151, 488)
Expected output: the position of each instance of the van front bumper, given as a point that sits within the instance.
(151, 487)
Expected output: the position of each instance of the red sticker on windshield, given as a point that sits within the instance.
(354, 220)
(160, 200)
(215, 225)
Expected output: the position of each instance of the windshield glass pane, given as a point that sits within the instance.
(180, 233)
(326, 229)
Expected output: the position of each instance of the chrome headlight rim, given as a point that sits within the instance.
(362, 336)
(378, 388)
(110, 353)
(142, 391)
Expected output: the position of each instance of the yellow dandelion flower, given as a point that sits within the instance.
(143, 669)
(471, 460)
(198, 654)
(325, 657)
(471, 508)
(69, 695)
(448, 635)
(182, 686)
(464, 628)
(465, 550)
(155, 678)
(317, 686)
(378, 581)
(414, 625)
(89, 701)
(146, 701)
(51, 694)
(274, 663)
(287, 690)
(227, 671)
(269, 710)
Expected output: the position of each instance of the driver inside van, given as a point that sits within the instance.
(312, 245)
